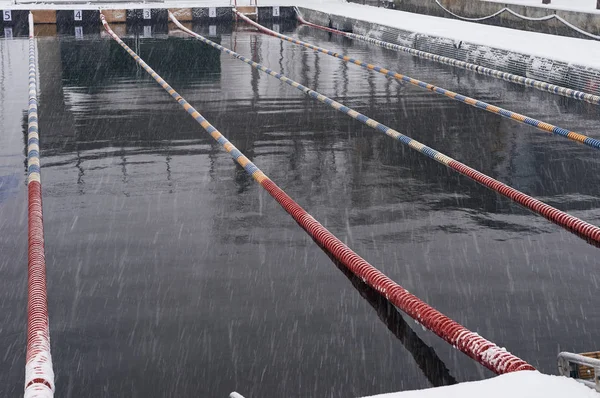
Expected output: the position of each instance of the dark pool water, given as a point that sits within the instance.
(172, 274)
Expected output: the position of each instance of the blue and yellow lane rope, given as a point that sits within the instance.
(472, 344)
(588, 231)
(547, 127)
(509, 77)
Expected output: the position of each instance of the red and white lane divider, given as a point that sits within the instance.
(485, 352)
(39, 375)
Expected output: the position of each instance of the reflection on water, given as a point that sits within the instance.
(172, 274)
(432, 366)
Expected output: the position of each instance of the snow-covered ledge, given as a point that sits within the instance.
(564, 61)
(525, 384)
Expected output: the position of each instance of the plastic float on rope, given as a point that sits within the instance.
(589, 232)
(473, 345)
(540, 125)
(509, 77)
(39, 375)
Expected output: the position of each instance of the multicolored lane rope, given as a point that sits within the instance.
(475, 346)
(581, 228)
(509, 77)
(547, 127)
(39, 375)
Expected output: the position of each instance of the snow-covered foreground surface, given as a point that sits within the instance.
(567, 49)
(569, 5)
(513, 385)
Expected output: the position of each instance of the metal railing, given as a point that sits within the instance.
(569, 365)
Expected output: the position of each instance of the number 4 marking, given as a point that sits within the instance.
(77, 15)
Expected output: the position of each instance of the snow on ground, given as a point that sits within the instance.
(568, 49)
(569, 5)
(524, 384)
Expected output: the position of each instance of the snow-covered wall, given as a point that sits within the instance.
(556, 71)
(588, 20)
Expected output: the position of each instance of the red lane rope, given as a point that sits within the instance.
(585, 230)
(39, 375)
(485, 352)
